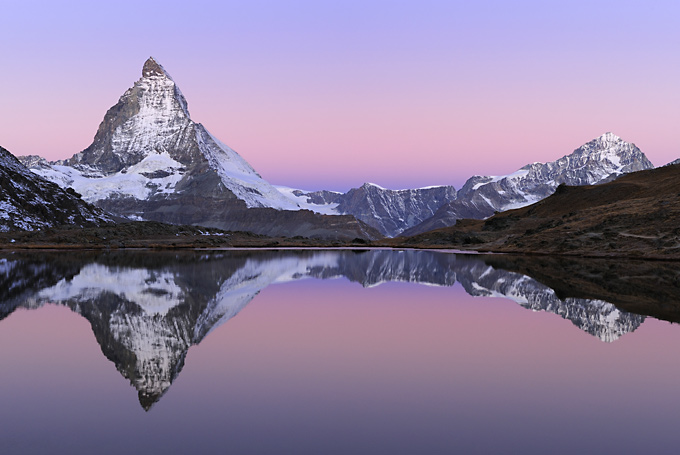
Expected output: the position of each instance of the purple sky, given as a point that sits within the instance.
(321, 94)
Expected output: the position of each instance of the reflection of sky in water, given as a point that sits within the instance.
(331, 367)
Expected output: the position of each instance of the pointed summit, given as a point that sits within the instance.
(153, 68)
(622, 156)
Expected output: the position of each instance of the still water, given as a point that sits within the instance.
(334, 352)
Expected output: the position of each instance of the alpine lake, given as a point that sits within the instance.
(336, 352)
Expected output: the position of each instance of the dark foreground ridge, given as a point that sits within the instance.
(636, 215)
(151, 234)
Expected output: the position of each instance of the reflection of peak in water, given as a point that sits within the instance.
(147, 310)
(145, 319)
(596, 317)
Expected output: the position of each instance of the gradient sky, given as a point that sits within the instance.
(330, 94)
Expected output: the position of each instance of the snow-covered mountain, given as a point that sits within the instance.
(149, 160)
(29, 202)
(147, 145)
(599, 161)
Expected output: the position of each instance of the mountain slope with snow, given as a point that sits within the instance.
(29, 202)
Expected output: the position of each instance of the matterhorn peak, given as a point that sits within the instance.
(153, 68)
(148, 148)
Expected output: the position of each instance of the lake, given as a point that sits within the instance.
(336, 352)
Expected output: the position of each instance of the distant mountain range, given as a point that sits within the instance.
(409, 212)
(150, 161)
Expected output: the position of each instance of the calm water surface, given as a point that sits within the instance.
(319, 352)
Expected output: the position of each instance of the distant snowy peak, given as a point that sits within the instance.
(608, 154)
(598, 161)
(150, 117)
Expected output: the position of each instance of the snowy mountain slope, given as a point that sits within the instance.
(28, 202)
(598, 161)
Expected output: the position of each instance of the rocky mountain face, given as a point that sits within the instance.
(29, 202)
(600, 160)
(388, 211)
(150, 161)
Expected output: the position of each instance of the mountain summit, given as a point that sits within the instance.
(153, 68)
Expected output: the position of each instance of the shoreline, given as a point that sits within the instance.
(289, 244)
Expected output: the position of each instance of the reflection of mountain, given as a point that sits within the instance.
(596, 317)
(147, 309)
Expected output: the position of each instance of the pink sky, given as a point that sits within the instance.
(330, 95)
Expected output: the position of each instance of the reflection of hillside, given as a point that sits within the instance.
(147, 309)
